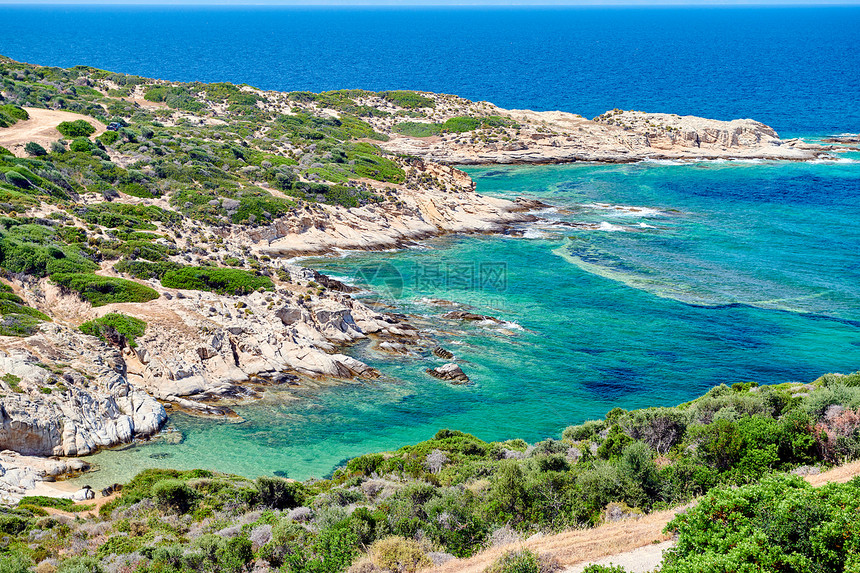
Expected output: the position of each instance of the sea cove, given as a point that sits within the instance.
(542, 287)
(671, 279)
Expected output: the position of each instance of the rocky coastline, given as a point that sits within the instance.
(302, 175)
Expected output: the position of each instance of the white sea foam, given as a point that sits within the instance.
(533, 233)
(609, 227)
(511, 325)
(625, 210)
(665, 161)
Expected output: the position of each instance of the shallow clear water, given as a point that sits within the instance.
(672, 278)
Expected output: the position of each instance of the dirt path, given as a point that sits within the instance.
(637, 545)
(41, 128)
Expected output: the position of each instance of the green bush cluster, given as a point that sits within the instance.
(18, 319)
(452, 125)
(76, 128)
(779, 524)
(408, 99)
(216, 279)
(33, 149)
(146, 270)
(99, 290)
(11, 114)
(115, 328)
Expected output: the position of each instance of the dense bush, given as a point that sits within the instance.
(99, 290)
(146, 270)
(33, 149)
(115, 328)
(173, 494)
(408, 99)
(11, 114)
(34, 249)
(780, 524)
(81, 145)
(76, 128)
(279, 493)
(220, 280)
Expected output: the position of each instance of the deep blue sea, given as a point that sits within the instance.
(796, 69)
(645, 285)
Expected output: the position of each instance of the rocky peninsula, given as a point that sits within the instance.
(147, 227)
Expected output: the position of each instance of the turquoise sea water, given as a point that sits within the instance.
(648, 284)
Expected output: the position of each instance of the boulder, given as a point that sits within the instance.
(450, 372)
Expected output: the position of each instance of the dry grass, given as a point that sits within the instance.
(578, 545)
(586, 545)
(840, 474)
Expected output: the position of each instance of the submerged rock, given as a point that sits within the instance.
(450, 372)
(463, 315)
(442, 353)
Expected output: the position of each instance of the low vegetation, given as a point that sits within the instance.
(220, 280)
(115, 328)
(99, 290)
(76, 128)
(455, 494)
(453, 125)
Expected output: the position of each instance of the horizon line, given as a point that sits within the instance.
(444, 3)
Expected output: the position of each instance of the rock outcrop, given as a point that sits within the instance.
(67, 394)
(449, 372)
(614, 137)
(28, 475)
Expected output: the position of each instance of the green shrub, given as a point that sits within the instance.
(108, 137)
(215, 279)
(14, 112)
(332, 551)
(4, 151)
(32, 249)
(173, 494)
(408, 99)
(417, 129)
(18, 180)
(80, 565)
(33, 149)
(76, 128)
(81, 145)
(14, 564)
(594, 568)
(99, 290)
(522, 561)
(12, 524)
(146, 270)
(780, 524)
(278, 493)
(113, 327)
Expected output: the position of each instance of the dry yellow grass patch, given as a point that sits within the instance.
(578, 545)
(839, 474)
